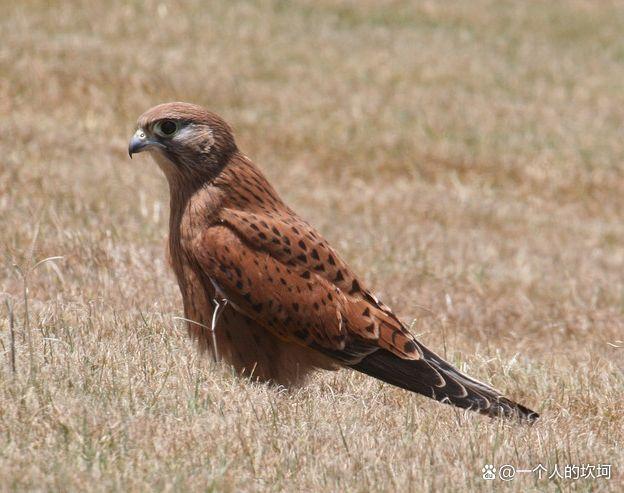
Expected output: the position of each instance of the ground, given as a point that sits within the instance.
(464, 157)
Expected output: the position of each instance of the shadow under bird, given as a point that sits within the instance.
(264, 289)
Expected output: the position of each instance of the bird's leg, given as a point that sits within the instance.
(220, 305)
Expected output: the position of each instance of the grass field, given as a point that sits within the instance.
(464, 157)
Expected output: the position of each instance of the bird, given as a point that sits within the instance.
(263, 290)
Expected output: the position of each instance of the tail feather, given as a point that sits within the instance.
(435, 378)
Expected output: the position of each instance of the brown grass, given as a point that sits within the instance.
(465, 157)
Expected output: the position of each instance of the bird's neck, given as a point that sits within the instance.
(193, 202)
(245, 187)
(197, 203)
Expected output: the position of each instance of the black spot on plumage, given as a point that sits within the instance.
(287, 251)
(409, 347)
(264, 223)
(366, 312)
(283, 281)
(286, 240)
(262, 236)
(255, 227)
(320, 268)
(239, 285)
(302, 245)
(306, 274)
(301, 334)
(331, 260)
(314, 254)
(276, 231)
(339, 277)
(355, 287)
(257, 307)
(370, 328)
(302, 257)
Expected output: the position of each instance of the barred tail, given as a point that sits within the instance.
(433, 377)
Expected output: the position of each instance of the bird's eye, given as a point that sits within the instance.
(166, 128)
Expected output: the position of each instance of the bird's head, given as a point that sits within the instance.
(186, 140)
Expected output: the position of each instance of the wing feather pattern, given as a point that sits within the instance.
(285, 276)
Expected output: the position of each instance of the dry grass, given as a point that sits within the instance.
(465, 157)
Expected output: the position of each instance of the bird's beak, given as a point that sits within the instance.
(140, 142)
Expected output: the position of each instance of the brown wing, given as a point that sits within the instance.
(294, 242)
(279, 272)
(298, 245)
(283, 275)
(294, 302)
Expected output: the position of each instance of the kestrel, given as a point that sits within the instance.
(263, 289)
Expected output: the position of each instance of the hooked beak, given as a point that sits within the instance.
(140, 142)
